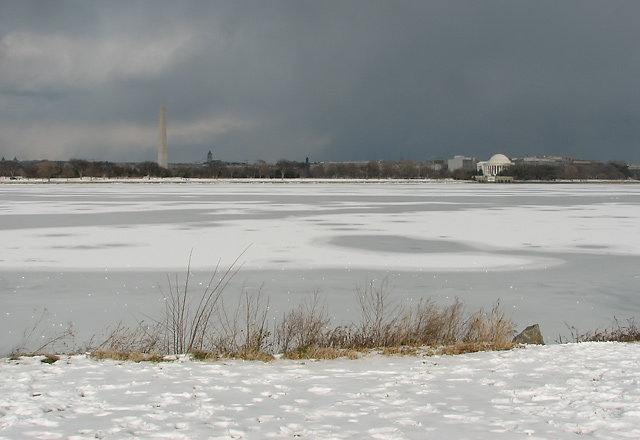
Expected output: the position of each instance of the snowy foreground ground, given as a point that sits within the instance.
(588, 390)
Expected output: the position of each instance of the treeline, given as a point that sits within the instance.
(284, 169)
(78, 168)
(572, 171)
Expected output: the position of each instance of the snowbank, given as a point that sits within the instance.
(542, 392)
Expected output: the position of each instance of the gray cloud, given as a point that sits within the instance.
(331, 80)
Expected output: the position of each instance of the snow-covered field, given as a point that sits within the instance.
(95, 254)
(552, 392)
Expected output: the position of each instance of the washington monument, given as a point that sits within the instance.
(162, 138)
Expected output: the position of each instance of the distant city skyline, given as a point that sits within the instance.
(458, 161)
(332, 81)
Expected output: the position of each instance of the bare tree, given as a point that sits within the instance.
(48, 169)
(372, 169)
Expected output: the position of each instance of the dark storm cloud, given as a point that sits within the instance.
(332, 80)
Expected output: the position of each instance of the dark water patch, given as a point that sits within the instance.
(193, 226)
(85, 247)
(113, 219)
(399, 244)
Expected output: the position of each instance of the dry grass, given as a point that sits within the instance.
(306, 326)
(50, 359)
(187, 327)
(616, 333)
(250, 355)
(46, 358)
(43, 340)
(205, 327)
(492, 331)
(130, 356)
(386, 325)
(403, 350)
(199, 355)
(394, 328)
(242, 331)
(122, 339)
(323, 353)
(462, 348)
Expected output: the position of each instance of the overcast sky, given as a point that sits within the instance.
(324, 79)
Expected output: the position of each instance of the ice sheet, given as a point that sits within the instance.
(552, 253)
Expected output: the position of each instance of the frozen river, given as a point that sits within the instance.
(95, 254)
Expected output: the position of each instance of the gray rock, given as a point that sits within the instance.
(530, 335)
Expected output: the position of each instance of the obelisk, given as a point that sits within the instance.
(162, 138)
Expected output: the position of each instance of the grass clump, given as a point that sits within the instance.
(44, 341)
(243, 332)
(143, 338)
(207, 329)
(210, 325)
(618, 332)
(50, 359)
(186, 328)
(304, 326)
(393, 328)
(403, 350)
(201, 355)
(322, 353)
(385, 324)
(250, 355)
(127, 356)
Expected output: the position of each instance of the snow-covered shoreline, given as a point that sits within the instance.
(541, 392)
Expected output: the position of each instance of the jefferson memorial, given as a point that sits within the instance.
(495, 165)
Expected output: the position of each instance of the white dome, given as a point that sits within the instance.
(499, 159)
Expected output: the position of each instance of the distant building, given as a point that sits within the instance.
(554, 161)
(461, 162)
(209, 157)
(434, 164)
(584, 162)
(495, 165)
